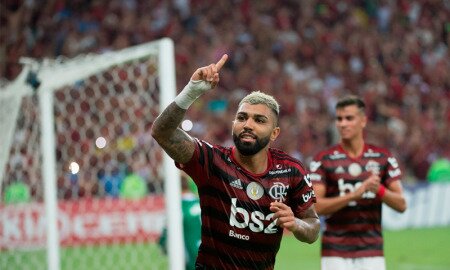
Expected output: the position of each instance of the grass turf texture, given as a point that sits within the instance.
(414, 249)
(111, 257)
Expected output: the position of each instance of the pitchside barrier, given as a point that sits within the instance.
(83, 222)
(428, 206)
(90, 221)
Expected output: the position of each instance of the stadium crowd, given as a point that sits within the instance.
(395, 54)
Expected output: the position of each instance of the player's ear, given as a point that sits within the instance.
(275, 133)
(364, 121)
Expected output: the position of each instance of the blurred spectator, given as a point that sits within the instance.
(111, 181)
(439, 171)
(133, 186)
(17, 192)
(394, 54)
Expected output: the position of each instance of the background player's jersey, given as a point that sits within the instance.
(237, 227)
(355, 230)
(190, 207)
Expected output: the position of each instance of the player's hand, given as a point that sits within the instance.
(283, 215)
(372, 183)
(203, 79)
(358, 193)
(210, 73)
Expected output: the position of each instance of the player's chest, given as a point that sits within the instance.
(353, 170)
(259, 189)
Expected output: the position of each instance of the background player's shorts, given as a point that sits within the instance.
(365, 263)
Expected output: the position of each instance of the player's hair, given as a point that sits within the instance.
(258, 97)
(351, 100)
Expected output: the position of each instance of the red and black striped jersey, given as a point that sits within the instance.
(355, 230)
(237, 227)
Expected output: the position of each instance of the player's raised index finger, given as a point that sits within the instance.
(221, 62)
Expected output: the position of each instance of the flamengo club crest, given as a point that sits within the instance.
(373, 166)
(278, 191)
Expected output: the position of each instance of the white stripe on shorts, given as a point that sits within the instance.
(364, 263)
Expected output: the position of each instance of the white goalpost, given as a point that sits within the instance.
(76, 136)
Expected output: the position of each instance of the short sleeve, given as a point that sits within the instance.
(303, 194)
(317, 170)
(393, 171)
(198, 166)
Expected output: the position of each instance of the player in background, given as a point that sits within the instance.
(351, 181)
(248, 193)
(190, 207)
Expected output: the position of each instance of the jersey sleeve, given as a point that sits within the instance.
(198, 166)
(393, 171)
(317, 169)
(303, 194)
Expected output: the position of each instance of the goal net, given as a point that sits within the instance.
(83, 183)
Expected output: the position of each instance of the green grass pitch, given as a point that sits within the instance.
(412, 249)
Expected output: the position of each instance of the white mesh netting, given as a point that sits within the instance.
(109, 176)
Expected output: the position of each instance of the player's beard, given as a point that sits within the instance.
(247, 148)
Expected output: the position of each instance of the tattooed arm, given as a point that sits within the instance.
(177, 143)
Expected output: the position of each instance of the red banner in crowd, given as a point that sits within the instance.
(83, 222)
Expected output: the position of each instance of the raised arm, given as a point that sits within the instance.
(177, 143)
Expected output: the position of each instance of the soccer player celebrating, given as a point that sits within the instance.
(351, 181)
(248, 193)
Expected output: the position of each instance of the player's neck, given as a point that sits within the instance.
(255, 164)
(353, 147)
